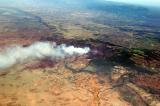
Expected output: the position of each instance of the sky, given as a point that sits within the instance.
(141, 2)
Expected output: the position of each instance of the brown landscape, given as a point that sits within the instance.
(117, 71)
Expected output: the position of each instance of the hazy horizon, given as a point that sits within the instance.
(155, 3)
(140, 2)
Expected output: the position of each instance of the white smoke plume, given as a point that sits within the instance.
(38, 50)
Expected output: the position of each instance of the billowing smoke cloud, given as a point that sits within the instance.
(38, 50)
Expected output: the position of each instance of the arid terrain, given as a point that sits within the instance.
(121, 69)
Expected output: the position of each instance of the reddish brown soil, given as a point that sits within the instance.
(149, 82)
(25, 37)
(41, 64)
(56, 86)
(148, 62)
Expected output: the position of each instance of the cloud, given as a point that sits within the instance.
(38, 50)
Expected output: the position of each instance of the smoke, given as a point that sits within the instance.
(38, 50)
